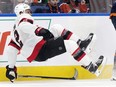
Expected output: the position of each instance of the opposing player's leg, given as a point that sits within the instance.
(113, 78)
(87, 63)
(114, 69)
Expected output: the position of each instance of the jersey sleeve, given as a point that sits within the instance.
(27, 27)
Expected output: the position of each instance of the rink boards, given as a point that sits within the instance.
(63, 65)
(57, 71)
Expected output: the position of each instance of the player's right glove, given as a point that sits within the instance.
(11, 73)
(44, 32)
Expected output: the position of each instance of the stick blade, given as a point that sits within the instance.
(75, 75)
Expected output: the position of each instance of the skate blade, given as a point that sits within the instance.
(91, 45)
(98, 72)
(101, 67)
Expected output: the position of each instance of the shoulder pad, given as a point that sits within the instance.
(25, 18)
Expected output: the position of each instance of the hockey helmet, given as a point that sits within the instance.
(21, 8)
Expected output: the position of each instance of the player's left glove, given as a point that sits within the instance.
(11, 73)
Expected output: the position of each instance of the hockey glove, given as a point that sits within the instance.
(11, 73)
(45, 33)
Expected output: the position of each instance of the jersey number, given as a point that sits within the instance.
(16, 35)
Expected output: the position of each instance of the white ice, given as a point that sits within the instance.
(61, 83)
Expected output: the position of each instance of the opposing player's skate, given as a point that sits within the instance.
(113, 79)
(85, 44)
(97, 67)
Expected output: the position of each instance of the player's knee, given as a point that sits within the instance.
(56, 28)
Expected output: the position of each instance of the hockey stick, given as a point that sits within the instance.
(50, 77)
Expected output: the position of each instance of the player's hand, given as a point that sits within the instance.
(11, 73)
(45, 33)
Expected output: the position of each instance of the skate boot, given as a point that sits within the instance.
(114, 69)
(83, 44)
(113, 79)
(97, 67)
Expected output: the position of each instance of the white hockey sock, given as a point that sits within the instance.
(74, 37)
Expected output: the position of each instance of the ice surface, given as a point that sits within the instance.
(61, 83)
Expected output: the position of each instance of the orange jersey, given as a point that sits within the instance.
(35, 1)
(65, 8)
(83, 8)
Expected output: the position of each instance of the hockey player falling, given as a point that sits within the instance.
(39, 44)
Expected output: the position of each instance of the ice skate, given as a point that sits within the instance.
(85, 44)
(97, 67)
(113, 79)
(114, 69)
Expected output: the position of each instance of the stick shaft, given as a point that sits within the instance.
(51, 77)
(47, 77)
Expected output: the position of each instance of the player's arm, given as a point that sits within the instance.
(27, 27)
(44, 32)
(33, 29)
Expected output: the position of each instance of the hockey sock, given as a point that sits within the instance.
(81, 57)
